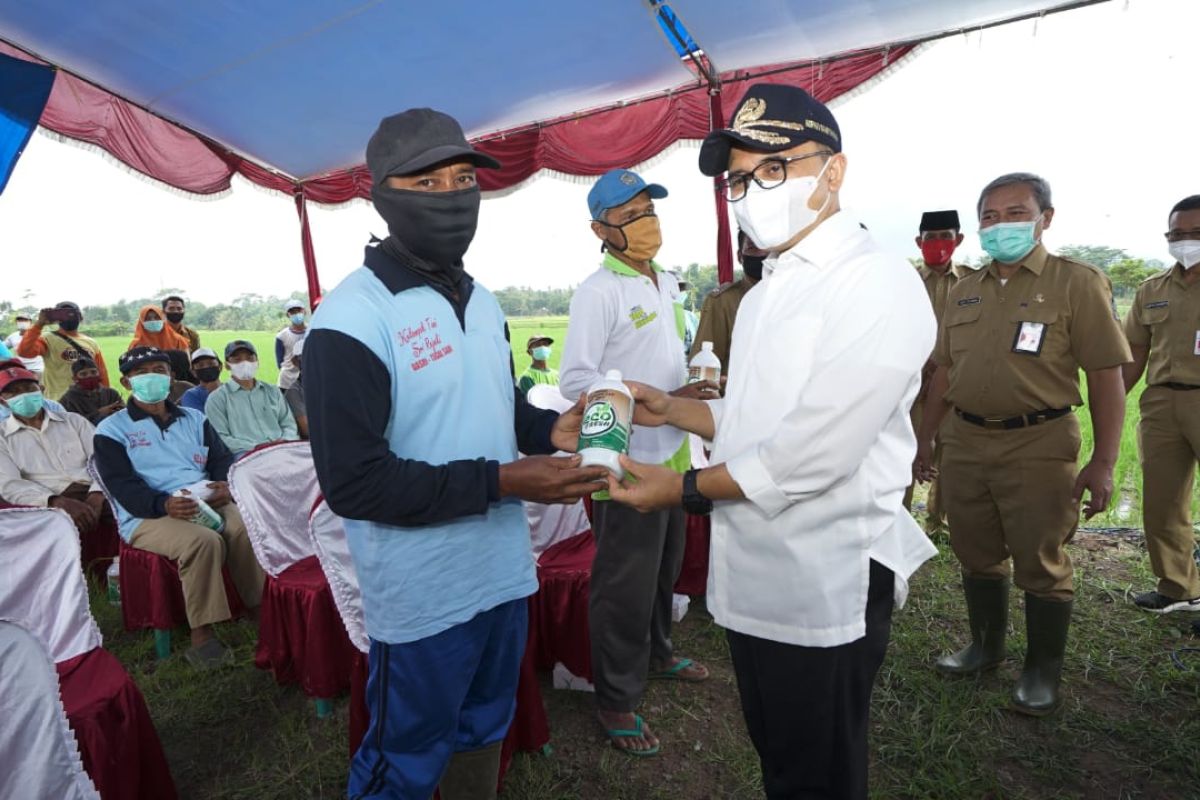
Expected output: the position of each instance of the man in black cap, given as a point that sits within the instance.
(812, 449)
(415, 424)
(938, 237)
(60, 348)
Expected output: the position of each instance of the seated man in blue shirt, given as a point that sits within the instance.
(144, 455)
(207, 369)
(415, 424)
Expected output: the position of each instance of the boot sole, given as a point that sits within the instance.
(966, 673)
(1033, 712)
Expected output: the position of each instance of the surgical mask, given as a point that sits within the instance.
(643, 238)
(26, 405)
(71, 324)
(541, 353)
(174, 317)
(151, 387)
(244, 370)
(88, 384)
(153, 325)
(1009, 242)
(208, 374)
(1186, 252)
(297, 319)
(752, 267)
(22, 326)
(771, 217)
(937, 252)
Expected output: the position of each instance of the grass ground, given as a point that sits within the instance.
(1127, 729)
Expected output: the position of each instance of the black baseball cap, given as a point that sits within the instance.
(239, 344)
(771, 117)
(418, 138)
(141, 355)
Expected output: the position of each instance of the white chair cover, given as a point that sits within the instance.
(39, 757)
(275, 488)
(328, 536)
(549, 397)
(42, 587)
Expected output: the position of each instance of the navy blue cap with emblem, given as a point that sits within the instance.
(141, 355)
(771, 117)
(616, 188)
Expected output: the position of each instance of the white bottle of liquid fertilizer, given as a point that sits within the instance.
(705, 366)
(607, 423)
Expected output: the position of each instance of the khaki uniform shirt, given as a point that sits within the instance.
(1017, 347)
(938, 286)
(716, 320)
(1165, 317)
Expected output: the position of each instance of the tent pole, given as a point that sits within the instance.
(306, 247)
(724, 240)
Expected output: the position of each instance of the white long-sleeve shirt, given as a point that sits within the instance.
(814, 428)
(621, 320)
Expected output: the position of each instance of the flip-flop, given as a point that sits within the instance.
(674, 672)
(618, 733)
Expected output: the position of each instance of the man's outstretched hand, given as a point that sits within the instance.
(550, 479)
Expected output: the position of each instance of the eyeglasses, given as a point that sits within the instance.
(769, 174)
(1179, 236)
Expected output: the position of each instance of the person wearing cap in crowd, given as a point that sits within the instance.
(721, 306)
(60, 348)
(87, 397)
(245, 411)
(144, 455)
(624, 317)
(539, 371)
(285, 343)
(24, 322)
(1163, 329)
(812, 449)
(206, 366)
(152, 331)
(416, 423)
(44, 452)
(1013, 339)
(939, 235)
(173, 310)
(294, 396)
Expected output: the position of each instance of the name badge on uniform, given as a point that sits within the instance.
(1196, 348)
(1030, 336)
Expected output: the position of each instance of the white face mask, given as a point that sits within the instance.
(22, 326)
(1186, 252)
(243, 370)
(771, 217)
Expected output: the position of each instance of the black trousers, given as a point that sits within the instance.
(808, 708)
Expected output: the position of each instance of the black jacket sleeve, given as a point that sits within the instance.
(348, 392)
(220, 457)
(124, 484)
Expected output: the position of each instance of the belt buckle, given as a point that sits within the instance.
(993, 424)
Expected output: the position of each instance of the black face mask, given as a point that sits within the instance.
(430, 231)
(174, 317)
(71, 324)
(208, 374)
(752, 266)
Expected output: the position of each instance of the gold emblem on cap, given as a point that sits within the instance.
(628, 179)
(750, 116)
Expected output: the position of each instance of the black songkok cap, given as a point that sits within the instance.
(940, 221)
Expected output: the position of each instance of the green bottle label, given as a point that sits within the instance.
(606, 421)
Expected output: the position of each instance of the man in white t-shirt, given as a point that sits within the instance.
(624, 317)
(285, 343)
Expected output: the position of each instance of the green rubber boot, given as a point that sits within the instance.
(472, 775)
(1047, 623)
(987, 610)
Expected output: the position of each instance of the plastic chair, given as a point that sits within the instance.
(301, 638)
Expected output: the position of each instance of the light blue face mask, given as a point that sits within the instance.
(153, 325)
(26, 405)
(151, 387)
(297, 319)
(542, 353)
(1009, 242)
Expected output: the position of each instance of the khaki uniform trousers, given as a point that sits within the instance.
(1008, 494)
(1169, 441)
(935, 511)
(201, 553)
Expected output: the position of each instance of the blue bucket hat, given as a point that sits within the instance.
(617, 187)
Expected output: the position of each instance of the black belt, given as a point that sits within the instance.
(1011, 423)
(1179, 387)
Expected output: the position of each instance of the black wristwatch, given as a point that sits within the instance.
(693, 501)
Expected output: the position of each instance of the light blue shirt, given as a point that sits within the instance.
(246, 418)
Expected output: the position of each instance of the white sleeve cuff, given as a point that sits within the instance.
(751, 475)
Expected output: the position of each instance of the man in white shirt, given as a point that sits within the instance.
(812, 448)
(286, 341)
(624, 317)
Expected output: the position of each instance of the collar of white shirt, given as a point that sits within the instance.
(823, 244)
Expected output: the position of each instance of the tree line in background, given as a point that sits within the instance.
(254, 312)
